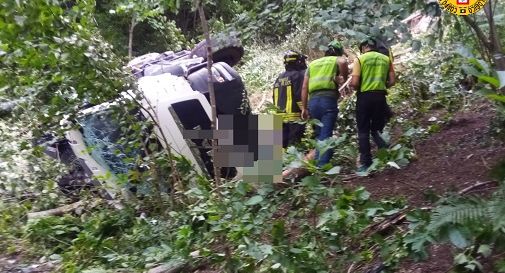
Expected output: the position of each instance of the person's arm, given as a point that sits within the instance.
(356, 74)
(343, 69)
(305, 95)
(391, 76)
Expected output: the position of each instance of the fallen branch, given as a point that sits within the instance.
(165, 268)
(385, 224)
(351, 267)
(180, 267)
(477, 185)
(63, 209)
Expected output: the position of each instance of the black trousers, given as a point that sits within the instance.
(372, 114)
(292, 133)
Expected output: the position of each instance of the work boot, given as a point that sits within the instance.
(363, 169)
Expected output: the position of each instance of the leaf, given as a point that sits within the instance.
(316, 121)
(295, 250)
(480, 64)
(485, 250)
(310, 181)
(391, 212)
(471, 70)
(393, 164)
(460, 259)
(457, 238)
(266, 249)
(276, 266)
(325, 217)
(496, 97)
(471, 267)
(362, 194)
(501, 78)
(334, 170)
(488, 79)
(403, 162)
(55, 257)
(372, 211)
(254, 200)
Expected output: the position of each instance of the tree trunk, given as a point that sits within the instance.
(130, 37)
(494, 40)
(205, 26)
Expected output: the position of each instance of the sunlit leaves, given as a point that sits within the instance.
(54, 56)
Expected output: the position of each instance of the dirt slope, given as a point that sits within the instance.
(460, 155)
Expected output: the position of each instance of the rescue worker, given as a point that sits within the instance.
(372, 74)
(321, 82)
(287, 97)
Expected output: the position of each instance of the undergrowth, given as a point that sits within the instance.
(473, 225)
(306, 228)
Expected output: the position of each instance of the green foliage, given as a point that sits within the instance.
(173, 39)
(27, 177)
(474, 225)
(265, 20)
(53, 233)
(438, 87)
(239, 229)
(54, 59)
(352, 20)
(64, 63)
(11, 225)
(166, 36)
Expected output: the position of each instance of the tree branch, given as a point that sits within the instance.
(494, 40)
(130, 37)
(482, 37)
(205, 26)
(63, 209)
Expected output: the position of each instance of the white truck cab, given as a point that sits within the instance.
(175, 104)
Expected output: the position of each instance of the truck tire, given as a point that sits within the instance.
(224, 49)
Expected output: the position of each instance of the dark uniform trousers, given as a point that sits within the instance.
(372, 114)
(292, 133)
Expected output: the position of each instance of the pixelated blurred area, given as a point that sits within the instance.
(268, 167)
(252, 143)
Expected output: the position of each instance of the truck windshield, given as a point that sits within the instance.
(102, 135)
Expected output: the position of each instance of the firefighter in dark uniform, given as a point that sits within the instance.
(287, 97)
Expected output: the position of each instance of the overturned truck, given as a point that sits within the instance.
(174, 92)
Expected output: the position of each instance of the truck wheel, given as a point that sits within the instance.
(224, 49)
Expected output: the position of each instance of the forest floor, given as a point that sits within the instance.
(18, 263)
(460, 155)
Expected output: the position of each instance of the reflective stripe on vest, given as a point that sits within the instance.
(322, 73)
(287, 94)
(374, 71)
